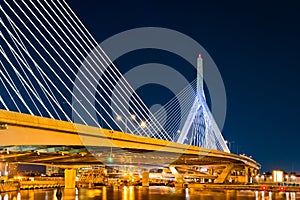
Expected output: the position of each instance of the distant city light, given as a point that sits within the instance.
(203, 169)
(278, 176)
(293, 177)
(282, 189)
(264, 188)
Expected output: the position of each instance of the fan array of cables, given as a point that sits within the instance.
(51, 66)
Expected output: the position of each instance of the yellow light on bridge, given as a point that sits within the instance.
(3, 126)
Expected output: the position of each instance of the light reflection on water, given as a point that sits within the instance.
(151, 193)
(275, 195)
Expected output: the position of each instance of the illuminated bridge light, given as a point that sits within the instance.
(3, 126)
(110, 159)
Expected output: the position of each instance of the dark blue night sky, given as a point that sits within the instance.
(255, 45)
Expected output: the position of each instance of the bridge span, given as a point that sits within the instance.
(44, 141)
(27, 138)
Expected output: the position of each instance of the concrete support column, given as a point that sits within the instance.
(246, 174)
(252, 173)
(145, 178)
(179, 178)
(222, 178)
(70, 178)
(211, 171)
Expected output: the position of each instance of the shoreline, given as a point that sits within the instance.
(256, 187)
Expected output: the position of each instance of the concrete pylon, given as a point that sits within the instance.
(179, 178)
(223, 176)
(246, 174)
(145, 178)
(70, 178)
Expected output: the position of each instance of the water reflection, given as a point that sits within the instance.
(151, 193)
(187, 194)
(275, 195)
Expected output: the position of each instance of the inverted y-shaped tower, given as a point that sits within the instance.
(200, 128)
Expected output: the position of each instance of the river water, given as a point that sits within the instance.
(151, 193)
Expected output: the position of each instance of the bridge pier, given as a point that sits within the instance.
(70, 178)
(145, 178)
(224, 174)
(211, 172)
(179, 178)
(246, 174)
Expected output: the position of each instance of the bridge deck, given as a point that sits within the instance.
(67, 143)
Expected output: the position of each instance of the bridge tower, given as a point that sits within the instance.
(200, 90)
(194, 128)
(200, 128)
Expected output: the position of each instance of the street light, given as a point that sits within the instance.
(133, 116)
(178, 132)
(293, 177)
(143, 124)
(119, 118)
(3, 126)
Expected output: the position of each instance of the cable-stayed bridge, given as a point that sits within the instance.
(55, 101)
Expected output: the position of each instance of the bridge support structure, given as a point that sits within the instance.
(246, 174)
(70, 178)
(145, 178)
(179, 178)
(224, 174)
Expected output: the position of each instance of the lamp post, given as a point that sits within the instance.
(132, 117)
(178, 132)
(3, 126)
(230, 145)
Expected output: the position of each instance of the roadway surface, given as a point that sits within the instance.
(38, 140)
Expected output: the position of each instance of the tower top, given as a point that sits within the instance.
(200, 90)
